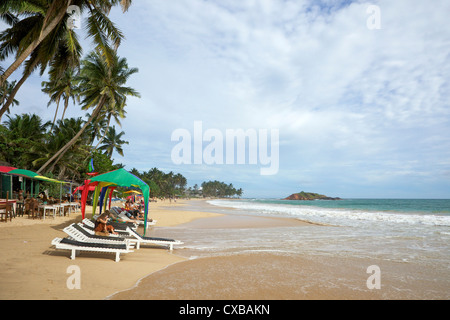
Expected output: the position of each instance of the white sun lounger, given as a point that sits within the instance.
(134, 237)
(79, 233)
(152, 240)
(74, 246)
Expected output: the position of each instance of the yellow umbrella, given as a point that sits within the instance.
(133, 191)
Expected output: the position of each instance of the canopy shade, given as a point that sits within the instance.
(81, 188)
(27, 174)
(118, 178)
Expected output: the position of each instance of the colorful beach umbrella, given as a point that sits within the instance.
(6, 169)
(27, 174)
(133, 191)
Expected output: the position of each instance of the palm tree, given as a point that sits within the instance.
(96, 128)
(112, 111)
(54, 13)
(22, 135)
(102, 85)
(6, 91)
(68, 162)
(113, 142)
(60, 49)
(63, 87)
(25, 126)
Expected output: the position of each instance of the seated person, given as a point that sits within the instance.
(115, 216)
(131, 214)
(101, 224)
(128, 204)
(20, 196)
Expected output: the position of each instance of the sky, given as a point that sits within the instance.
(352, 97)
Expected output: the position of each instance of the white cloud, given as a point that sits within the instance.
(357, 101)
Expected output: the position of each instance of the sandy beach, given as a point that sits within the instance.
(33, 269)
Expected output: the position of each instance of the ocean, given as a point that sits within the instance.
(406, 239)
(392, 229)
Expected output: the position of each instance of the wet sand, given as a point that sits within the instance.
(281, 275)
(267, 276)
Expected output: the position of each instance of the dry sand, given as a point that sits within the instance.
(31, 268)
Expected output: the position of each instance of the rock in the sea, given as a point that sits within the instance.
(309, 196)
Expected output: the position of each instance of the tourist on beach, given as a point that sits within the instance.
(101, 224)
(115, 216)
(133, 210)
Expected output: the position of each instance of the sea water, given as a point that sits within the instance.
(394, 229)
(408, 239)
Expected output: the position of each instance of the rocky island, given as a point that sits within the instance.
(309, 196)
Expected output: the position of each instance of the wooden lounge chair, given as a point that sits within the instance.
(5, 212)
(74, 246)
(7, 209)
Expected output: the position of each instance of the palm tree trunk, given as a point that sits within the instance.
(45, 32)
(56, 113)
(66, 104)
(75, 138)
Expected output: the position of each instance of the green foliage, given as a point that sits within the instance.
(220, 189)
(102, 163)
(162, 184)
(26, 142)
(310, 195)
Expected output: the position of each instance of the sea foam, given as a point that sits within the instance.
(335, 215)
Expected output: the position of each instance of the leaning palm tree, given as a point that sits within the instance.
(55, 13)
(102, 85)
(61, 49)
(113, 142)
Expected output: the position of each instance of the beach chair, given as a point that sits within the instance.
(7, 209)
(135, 237)
(152, 240)
(74, 246)
(78, 233)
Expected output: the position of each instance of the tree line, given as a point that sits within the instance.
(220, 189)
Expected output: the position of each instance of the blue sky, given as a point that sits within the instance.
(360, 112)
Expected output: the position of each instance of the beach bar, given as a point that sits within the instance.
(14, 180)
